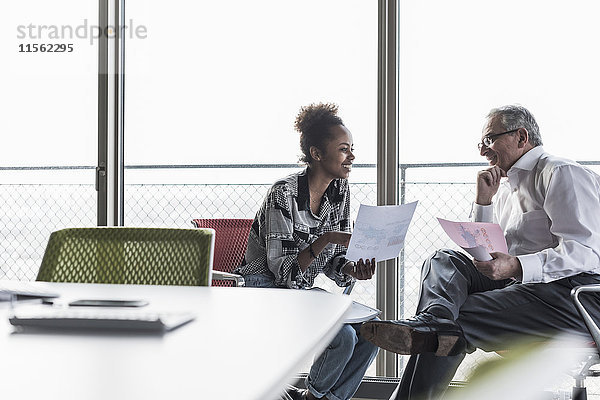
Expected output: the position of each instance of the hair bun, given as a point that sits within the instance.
(313, 123)
(315, 114)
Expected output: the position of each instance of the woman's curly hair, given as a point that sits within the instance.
(313, 123)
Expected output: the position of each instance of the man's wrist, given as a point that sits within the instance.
(518, 275)
(483, 201)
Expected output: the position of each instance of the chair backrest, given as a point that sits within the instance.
(148, 256)
(231, 240)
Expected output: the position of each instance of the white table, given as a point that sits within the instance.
(245, 343)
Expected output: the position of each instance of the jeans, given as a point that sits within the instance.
(338, 371)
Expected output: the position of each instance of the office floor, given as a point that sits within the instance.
(548, 395)
(560, 391)
(378, 388)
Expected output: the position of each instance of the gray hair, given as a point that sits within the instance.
(515, 117)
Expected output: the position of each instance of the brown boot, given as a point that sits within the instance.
(424, 333)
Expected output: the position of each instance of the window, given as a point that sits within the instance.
(212, 94)
(458, 60)
(49, 124)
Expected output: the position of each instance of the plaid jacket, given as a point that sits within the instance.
(284, 225)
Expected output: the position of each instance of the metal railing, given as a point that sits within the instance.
(31, 211)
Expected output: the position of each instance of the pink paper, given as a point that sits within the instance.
(473, 234)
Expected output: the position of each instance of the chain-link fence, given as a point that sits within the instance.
(30, 212)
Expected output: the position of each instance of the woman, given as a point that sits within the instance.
(302, 229)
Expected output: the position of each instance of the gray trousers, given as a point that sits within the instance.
(492, 315)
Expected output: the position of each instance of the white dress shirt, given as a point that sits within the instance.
(549, 210)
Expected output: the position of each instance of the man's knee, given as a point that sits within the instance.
(447, 258)
(441, 258)
(446, 253)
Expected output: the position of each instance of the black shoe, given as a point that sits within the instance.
(424, 333)
(293, 393)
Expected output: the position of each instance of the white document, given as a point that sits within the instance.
(479, 253)
(379, 231)
(359, 312)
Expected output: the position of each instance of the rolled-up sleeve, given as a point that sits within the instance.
(333, 268)
(282, 251)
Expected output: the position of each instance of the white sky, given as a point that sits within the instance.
(221, 82)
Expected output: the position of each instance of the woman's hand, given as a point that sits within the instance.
(362, 270)
(339, 237)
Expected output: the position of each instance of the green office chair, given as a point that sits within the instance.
(145, 256)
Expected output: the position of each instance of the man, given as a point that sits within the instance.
(549, 209)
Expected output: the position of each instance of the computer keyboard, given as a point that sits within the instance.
(93, 318)
(25, 289)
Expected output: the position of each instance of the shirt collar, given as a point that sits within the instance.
(527, 162)
(334, 194)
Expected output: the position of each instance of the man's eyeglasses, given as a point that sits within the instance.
(489, 139)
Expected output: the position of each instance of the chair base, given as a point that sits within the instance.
(579, 393)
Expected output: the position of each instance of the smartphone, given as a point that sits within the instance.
(108, 303)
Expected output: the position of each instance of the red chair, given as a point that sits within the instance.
(231, 240)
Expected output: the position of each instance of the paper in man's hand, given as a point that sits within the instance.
(479, 239)
(379, 231)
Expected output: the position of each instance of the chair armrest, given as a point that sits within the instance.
(589, 322)
(226, 276)
(348, 289)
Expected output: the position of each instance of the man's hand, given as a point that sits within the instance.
(338, 237)
(503, 266)
(488, 182)
(360, 270)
